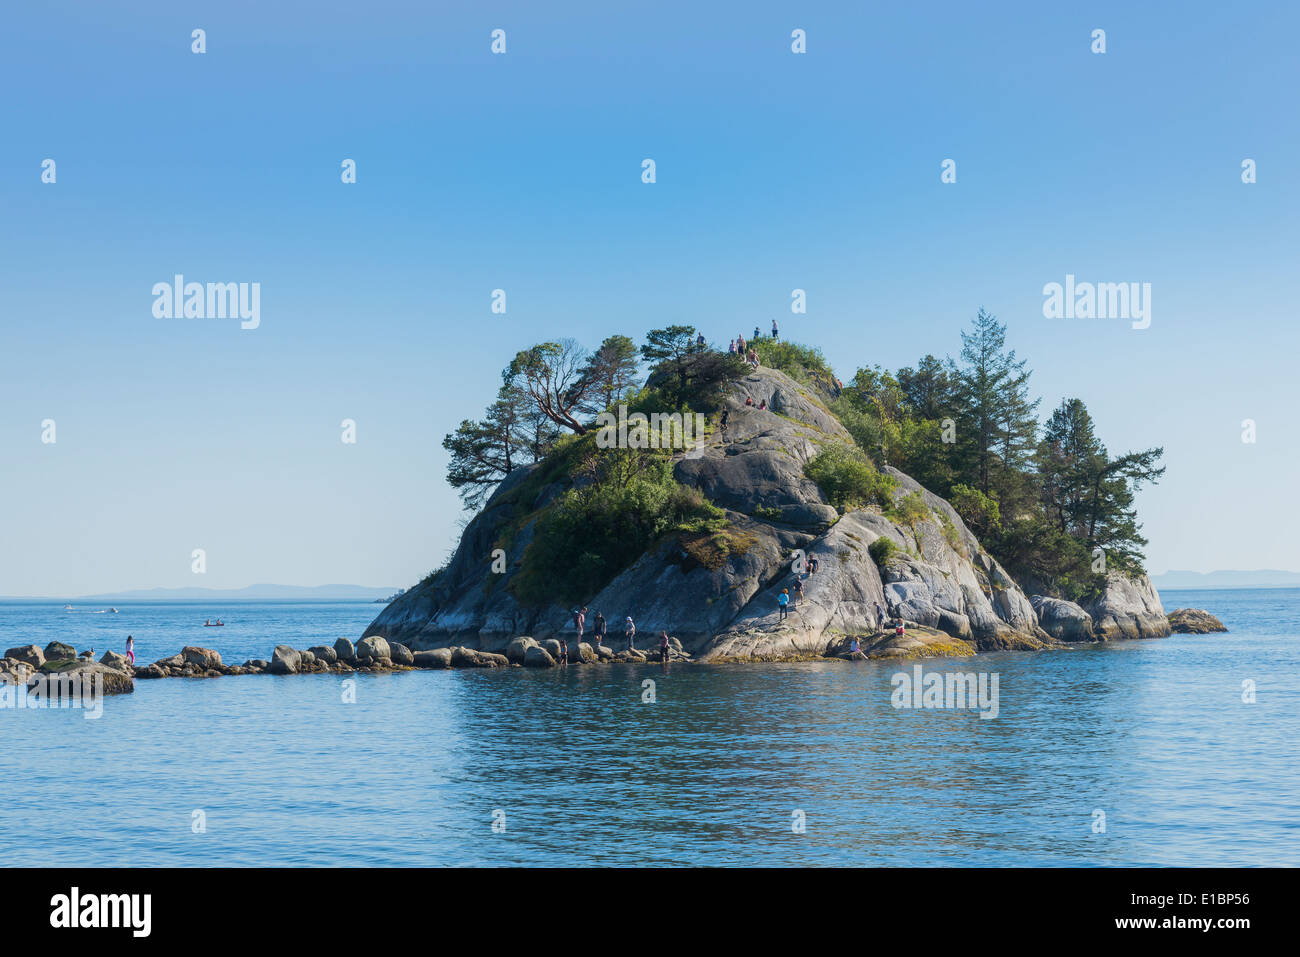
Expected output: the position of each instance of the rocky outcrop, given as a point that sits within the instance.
(27, 654)
(1063, 620)
(720, 599)
(110, 680)
(1194, 621)
(1128, 608)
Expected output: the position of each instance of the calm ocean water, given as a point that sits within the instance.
(1153, 733)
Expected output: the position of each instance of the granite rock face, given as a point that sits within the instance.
(1063, 620)
(940, 576)
(1128, 608)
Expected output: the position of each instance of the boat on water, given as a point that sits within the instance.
(214, 624)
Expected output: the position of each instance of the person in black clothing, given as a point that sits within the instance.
(663, 646)
(598, 629)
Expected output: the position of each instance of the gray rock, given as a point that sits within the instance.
(433, 658)
(324, 653)
(582, 653)
(1129, 608)
(284, 660)
(518, 648)
(111, 681)
(29, 654)
(59, 651)
(1063, 620)
(204, 658)
(536, 657)
(1194, 621)
(373, 647)
(471, 658)
(117, 662)
(400, 654)
(552, 646)
(345, 650)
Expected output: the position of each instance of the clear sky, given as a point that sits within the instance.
(522, 171)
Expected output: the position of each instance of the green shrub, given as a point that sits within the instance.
(909, 509)
(977, 510)
(767, 513)
(593, 533)
(848, 479)
(882, 550)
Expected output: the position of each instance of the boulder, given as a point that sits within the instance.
(345, 650)
(203, 658)
(1194, 621)
(470, 658)
(58, 651)
(537, 657)
(154, 670)
(111, 680)
(552, 646)
(306, 658)
(28, 654)
(433, 658)
(117, 662)
(517, 650)
(325, 654)
(284, 660)
(1063, 620)
(257, 665)
(1128, 608)
(582, 653)
(400, 654)
(373, 647)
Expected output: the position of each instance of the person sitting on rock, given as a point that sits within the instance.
(763, 404)
(812, 564)
(853, 646)
(899, 629)
(782, 603)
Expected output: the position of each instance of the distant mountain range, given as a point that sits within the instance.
(255, 592)
(1260, 578)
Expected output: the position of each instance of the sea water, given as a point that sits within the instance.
(1177, 751)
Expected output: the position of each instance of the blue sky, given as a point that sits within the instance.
(474, 172)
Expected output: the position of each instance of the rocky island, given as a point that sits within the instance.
(769, 512)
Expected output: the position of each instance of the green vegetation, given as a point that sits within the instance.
(1042, 500)
(595, 531)
(848, 479)
(882, 550)
(802, 363)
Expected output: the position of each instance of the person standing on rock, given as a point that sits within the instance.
(880, 619)
(757, 334)
(629, 632)
(782, 604)
(598, 628)
(798, 589)
(663, 647)
(130, 649)
(564, 652)
(580, 621)
(775, 334)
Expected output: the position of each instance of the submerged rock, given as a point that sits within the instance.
(1194, 621)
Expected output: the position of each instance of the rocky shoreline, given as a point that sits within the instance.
(29, 664)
